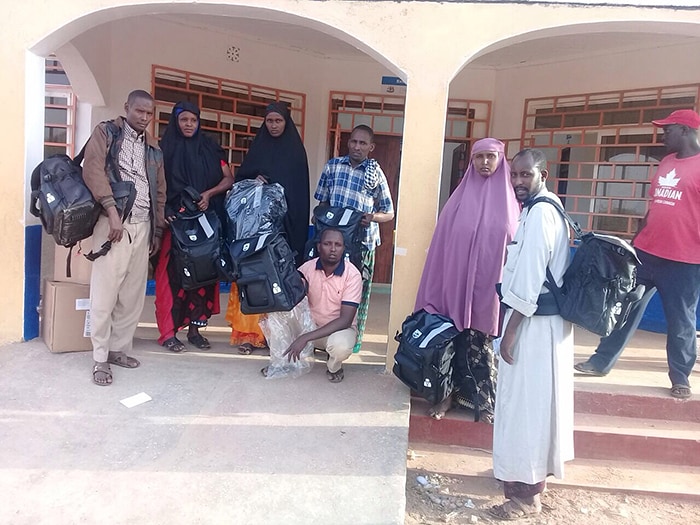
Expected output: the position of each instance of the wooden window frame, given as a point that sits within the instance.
(62, 91)
(246, 101)
(593, 125)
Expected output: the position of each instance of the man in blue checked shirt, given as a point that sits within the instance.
(356, 181)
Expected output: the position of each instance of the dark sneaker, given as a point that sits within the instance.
(586, 368)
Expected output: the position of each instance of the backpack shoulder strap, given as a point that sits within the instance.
(78, 159)
(35, 181)
(112, 131)
(550, 283)
(578, 232)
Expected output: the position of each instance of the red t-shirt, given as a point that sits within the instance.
(672, 228)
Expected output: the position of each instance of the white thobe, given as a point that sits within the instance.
(534, 415)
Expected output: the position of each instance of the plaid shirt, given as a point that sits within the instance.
(132, 166)
(341, 185)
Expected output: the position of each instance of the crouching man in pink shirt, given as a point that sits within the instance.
(335, 291)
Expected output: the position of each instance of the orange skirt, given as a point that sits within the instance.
(244, 328)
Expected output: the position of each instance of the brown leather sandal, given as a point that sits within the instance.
(105, 379)
(123, 360)
(335, 377)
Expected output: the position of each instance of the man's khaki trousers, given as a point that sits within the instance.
(118, 288)
(339, 346)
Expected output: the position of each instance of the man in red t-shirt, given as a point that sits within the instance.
(668, 245)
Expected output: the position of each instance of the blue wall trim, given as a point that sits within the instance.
(32, 280)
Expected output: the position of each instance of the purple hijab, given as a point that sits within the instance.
(467, 253)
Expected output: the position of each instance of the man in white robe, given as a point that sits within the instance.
(534, 416)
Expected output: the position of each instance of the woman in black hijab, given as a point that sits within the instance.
(278, 155)
(191, 159)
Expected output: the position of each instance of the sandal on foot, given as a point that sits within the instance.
(102, 374)
(437, 412)
(513, 509)
(681, 391)
(123, 360)
(245, 349)
(263, 371)
(174, 345)
(199, 341)
(335, 377)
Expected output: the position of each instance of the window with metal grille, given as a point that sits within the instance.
(603, 150)
(59, 111)
(385, 115)
(231, 111)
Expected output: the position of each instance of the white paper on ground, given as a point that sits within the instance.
(133, 401)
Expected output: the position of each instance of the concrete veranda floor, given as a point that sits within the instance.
(218, 443)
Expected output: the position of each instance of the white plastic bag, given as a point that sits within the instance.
(281, 329)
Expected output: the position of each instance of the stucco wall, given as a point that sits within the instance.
(426, 42)
(648, 68)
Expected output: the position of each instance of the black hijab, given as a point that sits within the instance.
(194, 161)
(283, 160)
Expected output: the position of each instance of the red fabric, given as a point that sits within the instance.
(164, 296)
(672, 228)
(175, 307)
(684, 117)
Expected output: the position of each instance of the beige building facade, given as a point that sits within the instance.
(581, 80)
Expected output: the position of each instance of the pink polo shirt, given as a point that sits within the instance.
(327, 293)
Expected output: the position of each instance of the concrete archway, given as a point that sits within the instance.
(93, 80)
(576, 58)
(579, 59)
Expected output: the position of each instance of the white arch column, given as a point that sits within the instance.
(419, 193)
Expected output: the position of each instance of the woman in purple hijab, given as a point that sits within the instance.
(464, 264)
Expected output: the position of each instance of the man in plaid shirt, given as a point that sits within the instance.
(356, 181)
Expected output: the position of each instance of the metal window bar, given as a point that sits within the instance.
(232, 111)
(465, 119)
(602, 149)
(64, 141)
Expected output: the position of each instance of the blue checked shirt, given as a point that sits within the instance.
(341, 185)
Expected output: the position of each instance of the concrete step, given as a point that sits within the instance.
(610, 475)
(637, 439)
(634, 401)
(596, 436)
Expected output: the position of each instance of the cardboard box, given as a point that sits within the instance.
(80, 267)
(65, 317)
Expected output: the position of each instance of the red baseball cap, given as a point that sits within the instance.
(684, 117)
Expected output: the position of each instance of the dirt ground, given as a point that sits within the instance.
(438, 499)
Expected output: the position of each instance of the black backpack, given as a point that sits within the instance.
(196, 244)
(348, 221)
(65, 205)
(423, 360)
(265, 274)
(61, 199)
(600, 284)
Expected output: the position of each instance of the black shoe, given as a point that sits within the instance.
(586, 368)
